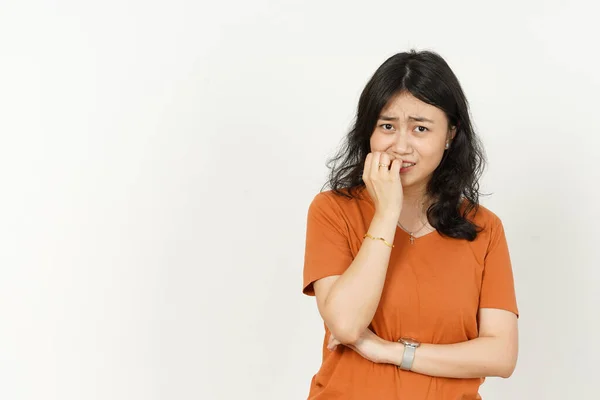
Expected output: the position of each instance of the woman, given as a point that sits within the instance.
(411, 275)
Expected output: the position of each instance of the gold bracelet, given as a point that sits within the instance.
(378, 238)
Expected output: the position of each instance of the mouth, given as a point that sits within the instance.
(406, 166)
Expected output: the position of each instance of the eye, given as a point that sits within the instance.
(384, 125)
(421, 131)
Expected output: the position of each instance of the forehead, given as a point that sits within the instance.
(405, 105)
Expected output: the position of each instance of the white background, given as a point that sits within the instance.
(157, 160)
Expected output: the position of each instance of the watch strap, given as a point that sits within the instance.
(408, 357)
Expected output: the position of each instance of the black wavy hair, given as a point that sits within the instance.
(427, 76)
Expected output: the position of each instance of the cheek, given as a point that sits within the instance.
(431, 150)
(376, 142)
(431, 155)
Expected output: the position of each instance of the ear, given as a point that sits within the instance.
(450, 137)
(452, 133)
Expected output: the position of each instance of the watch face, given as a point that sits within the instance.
(410, 342)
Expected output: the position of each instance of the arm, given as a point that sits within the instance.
(348, 302)
(493, 353)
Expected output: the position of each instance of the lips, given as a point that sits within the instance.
(406, 167)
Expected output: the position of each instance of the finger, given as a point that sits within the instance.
(395, 168)
(367, 166)
(375, 164)
(332, 345)
(384, 159)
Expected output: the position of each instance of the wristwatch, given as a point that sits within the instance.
(410, 346)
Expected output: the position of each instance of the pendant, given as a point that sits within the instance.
(412, 239)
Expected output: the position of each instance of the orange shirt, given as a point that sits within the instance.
(433, 290)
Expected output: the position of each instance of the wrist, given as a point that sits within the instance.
(394, 351)
(387, 216)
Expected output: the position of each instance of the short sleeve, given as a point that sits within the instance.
(327, 249)
(497, 287)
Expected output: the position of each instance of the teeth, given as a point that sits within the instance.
(406, 165)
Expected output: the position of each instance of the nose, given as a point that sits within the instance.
(401, 143)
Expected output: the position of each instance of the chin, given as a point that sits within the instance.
(407, 181)
(410, 181)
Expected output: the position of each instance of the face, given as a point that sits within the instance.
(415, 132)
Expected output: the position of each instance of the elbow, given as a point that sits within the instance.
(345, 333)
(347, 340)
(506, 358)
(343, 323)
(506, 373)
(507, 368)
(344, 329)
(509, 364)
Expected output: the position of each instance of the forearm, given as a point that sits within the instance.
(476, 358)
(354, 297)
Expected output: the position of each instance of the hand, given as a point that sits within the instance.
(383, 183)
(369, 345)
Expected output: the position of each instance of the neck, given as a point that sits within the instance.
(413, 217)
(415, 201)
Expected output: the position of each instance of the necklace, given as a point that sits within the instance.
(412, 237)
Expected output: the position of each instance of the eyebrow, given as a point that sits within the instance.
(412, 117)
